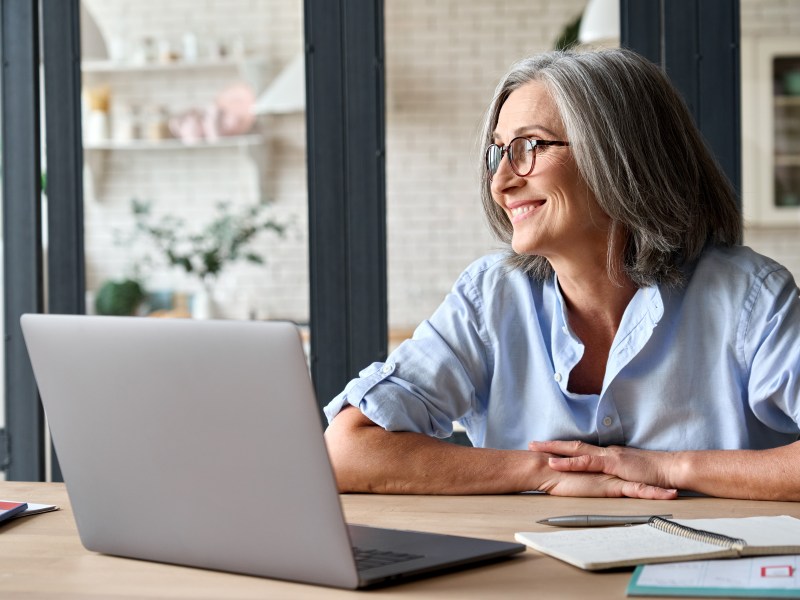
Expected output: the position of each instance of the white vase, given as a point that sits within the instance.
(204, 304)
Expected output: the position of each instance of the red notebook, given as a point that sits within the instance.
(9, 509)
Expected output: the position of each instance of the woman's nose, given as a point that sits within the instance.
(505, 178)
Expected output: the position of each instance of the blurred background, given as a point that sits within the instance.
(195, 158)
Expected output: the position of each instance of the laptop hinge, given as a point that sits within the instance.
(5, 454)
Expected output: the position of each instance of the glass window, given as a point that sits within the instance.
(195, 181)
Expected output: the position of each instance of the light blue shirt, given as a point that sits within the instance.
(713, 364)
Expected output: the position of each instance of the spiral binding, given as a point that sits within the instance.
(699, 535)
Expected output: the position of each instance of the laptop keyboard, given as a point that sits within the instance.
(369, 558)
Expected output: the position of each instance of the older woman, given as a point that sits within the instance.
(625, 345)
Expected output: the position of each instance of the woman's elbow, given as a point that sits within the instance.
(345, 442)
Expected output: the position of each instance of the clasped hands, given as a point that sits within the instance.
(581, 469)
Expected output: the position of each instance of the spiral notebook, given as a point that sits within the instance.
(663, 540)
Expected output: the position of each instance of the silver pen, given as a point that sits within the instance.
(598, 520)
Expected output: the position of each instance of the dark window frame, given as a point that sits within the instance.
(346, 189)
(697, 43)
(66, 276)
(22, 235)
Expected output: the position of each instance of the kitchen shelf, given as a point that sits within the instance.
(238, 141)
(96, 154)
(251, 146)
(250, 69)
(111, 66)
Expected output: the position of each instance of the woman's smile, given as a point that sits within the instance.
(521, 211)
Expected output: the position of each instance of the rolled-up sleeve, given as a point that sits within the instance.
(438, 376)
(770, 333)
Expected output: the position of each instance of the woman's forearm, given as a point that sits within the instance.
(367, 458)
(750, 474)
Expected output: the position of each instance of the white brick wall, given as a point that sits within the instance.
(769, 17)
(443, 60)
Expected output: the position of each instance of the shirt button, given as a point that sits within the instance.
(557, 376)
(607, 421)
(387, 368)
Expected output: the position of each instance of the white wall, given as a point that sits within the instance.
(443, 61)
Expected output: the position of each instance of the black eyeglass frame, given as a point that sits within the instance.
(532, 142)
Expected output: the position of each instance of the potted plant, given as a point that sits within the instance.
(206, 252)
(119, 297)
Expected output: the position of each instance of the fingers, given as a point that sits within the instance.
(571, 448)
(648, 492)
(604, 486)
(601, 464)
(618, 488)
(615, 471)
(586, 462)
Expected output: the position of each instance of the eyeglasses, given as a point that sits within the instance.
(521, 154)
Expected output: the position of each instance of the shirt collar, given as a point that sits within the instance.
(646, 300)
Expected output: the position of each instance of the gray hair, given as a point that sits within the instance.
(641, 155)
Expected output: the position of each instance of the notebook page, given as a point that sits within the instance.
(764, 532)
(603, 547)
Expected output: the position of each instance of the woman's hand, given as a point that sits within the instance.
(593, 485)
(771, 474)
(634, 467)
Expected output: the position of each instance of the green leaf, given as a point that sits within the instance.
(207, 250)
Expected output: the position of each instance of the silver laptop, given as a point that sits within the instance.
(200, 443)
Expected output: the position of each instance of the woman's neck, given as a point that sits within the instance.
(594, 306)
(594, 296)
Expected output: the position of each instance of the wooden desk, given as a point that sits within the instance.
(42, 557)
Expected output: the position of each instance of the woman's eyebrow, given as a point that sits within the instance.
(529, 130)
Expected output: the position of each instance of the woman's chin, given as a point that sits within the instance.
(523, 247)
